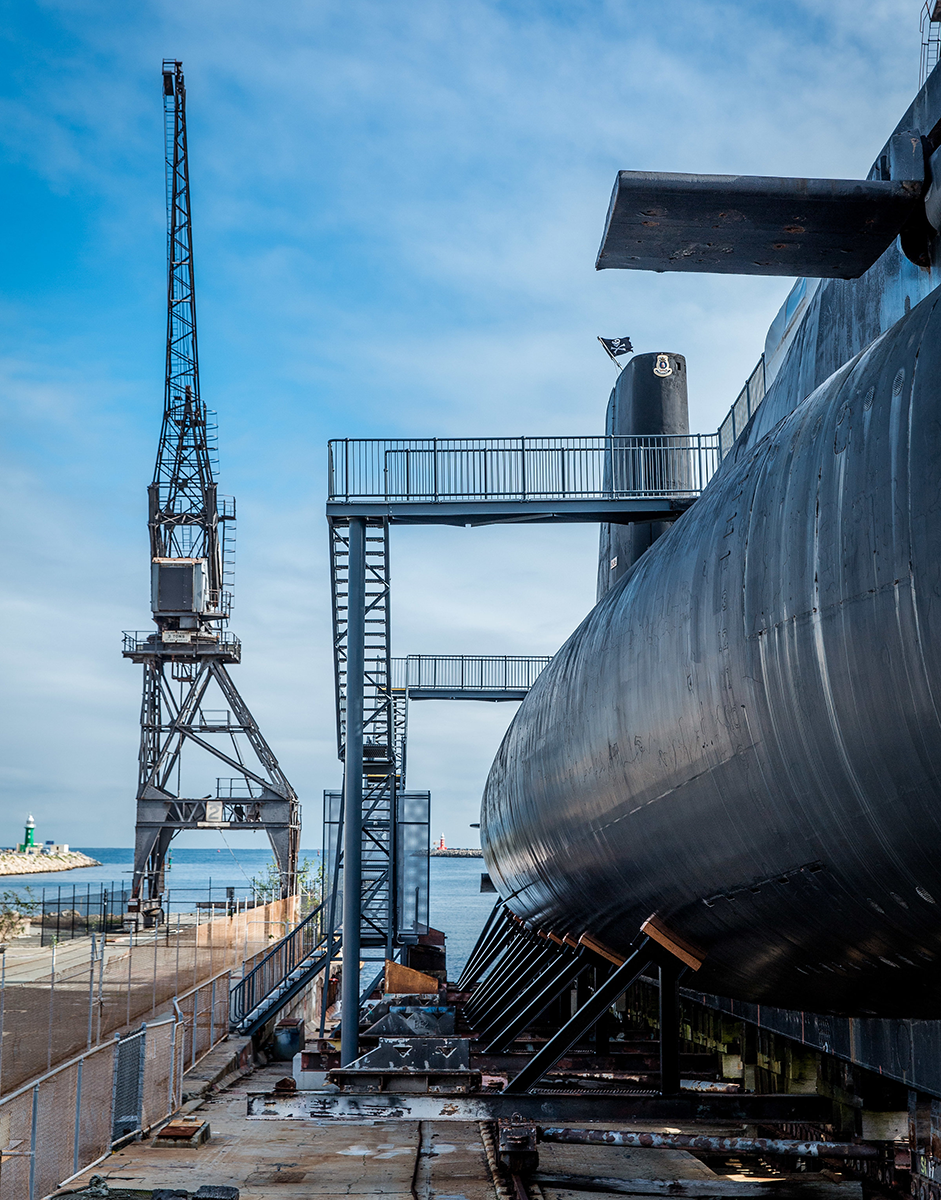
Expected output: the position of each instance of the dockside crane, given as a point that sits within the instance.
(189, 699)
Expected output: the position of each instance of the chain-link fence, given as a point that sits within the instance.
(66, 1120)
(65, 911)
(77, 995)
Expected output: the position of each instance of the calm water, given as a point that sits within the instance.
(456, 904)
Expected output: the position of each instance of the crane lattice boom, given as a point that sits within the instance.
(190, 702)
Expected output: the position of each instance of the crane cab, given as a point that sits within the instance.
(179, 586)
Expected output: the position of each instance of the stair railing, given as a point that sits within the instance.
(272, 970)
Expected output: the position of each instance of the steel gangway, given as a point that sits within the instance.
(482, 481)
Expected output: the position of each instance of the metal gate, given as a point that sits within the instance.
(128, 1095)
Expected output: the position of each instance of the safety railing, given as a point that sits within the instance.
(521, 469)
(468, 672)
(741, 411)
(273, 968)
(137, 641)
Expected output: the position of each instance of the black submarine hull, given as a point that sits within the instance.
(744, 736)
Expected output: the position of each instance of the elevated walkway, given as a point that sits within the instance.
(486, 481)
(466, 676)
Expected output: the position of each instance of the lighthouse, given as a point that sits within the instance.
(29, 836)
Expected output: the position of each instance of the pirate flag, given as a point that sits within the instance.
(616, 346)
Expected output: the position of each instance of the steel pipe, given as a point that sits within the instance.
(711, 1145)
(353, 792)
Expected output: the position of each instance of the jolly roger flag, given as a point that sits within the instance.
(616, 346)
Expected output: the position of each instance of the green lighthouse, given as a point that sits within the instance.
(29, 836)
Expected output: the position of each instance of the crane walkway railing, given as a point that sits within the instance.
(467, 676)
(576, 478)
(287, 967)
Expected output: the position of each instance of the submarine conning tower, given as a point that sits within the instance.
(649, 398)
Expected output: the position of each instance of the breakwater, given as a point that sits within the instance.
(13, 863)
(456, 853)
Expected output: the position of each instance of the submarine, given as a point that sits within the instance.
(743, 737)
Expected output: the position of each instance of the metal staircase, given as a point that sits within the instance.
(287, 969)
(380, 769)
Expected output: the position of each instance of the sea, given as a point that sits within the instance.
(456, 905)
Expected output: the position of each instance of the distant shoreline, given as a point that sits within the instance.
(456, 853)
(41, 864)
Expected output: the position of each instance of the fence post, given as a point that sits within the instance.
(141, 1070)
(91, 986)
(170, 1095)
(78, 1116)
(212, 1014)
(32, 1143)
(101, 980)
(114, 1083)
(130, 968)
(3, 988)
(52, 992)
(176, 975)
(195, 1025)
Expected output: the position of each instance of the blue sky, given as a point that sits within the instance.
(396, 210)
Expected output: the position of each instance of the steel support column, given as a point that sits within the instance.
(529, 969)
(670, 973)
(494, 986)
(482, 954)
(529, 1006)
(506, 983)
(353, 792)
(600, 1001)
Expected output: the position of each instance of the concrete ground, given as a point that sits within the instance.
(444, 1160)
(305, 1159)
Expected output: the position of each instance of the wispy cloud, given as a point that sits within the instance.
(397, 208)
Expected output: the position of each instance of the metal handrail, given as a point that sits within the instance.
(520, 469)
(746, 403)
(142, 639)
(468, 672)
(283, 958)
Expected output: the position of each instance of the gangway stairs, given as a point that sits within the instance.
(289, 967)
(379, 766)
